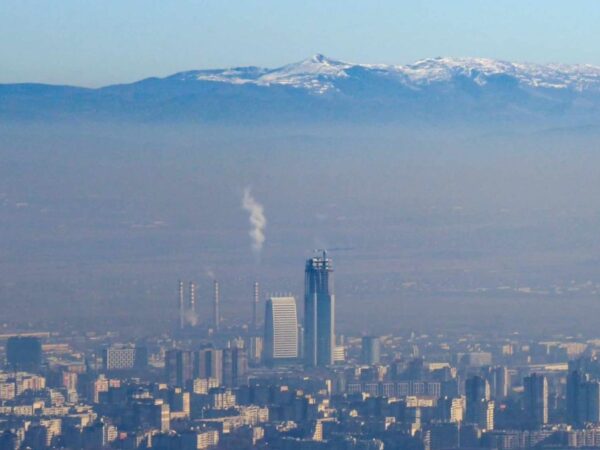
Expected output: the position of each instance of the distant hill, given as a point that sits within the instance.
(322, 89)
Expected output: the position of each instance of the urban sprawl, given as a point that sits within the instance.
(290, 384)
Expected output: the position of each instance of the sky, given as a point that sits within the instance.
(99, 42)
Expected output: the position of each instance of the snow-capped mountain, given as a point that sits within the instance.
(319, 73)
(320, 88)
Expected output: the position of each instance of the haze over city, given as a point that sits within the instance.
(332, 225)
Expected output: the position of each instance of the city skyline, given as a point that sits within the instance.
(266, 225)
(431, 392)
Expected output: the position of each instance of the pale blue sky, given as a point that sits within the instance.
(96, 42)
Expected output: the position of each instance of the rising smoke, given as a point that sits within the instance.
(191, 318)
(258, 220)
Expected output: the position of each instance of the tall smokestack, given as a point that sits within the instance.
(216, 312)
(192, 303)
(255, 306)
(181, 306)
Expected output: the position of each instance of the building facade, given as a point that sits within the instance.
(370, 350)
(281, 331)
(480, 409)
(536, 399)
(124, 357)
(319, 312)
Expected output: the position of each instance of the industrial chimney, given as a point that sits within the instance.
(181, 306)
(192, 303)
(255, 306)
(216, 312)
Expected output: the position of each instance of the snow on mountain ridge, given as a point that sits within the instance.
(319, 74)
(316, 73)
(556, 76)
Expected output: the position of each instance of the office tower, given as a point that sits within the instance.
(450, 409)
(370, 351)
(281, 331)
(24, 353)
(339, 354)
(591, 404)
(255, 347)
(487, 422)
(499, 379)
(210, 364)
(501, 382)
(68, 380)
(192, 304)
(179, 367)
(583, 399)
(255, 307)
(179, 401)
(227, 367)
(216, 312)
(536, 399)
(235, 366)
(181, 306)
(574, 381)
(120, 357)
(319, 312)
(161, 416)
(480, 410)
(240, 366)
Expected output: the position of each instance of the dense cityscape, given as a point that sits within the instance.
(279, 382)
(299, 225)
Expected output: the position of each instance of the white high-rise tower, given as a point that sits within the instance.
(281, 331)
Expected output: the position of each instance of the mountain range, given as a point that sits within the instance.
(324, 89)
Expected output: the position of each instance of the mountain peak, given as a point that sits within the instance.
(318, 58)
(315, 74)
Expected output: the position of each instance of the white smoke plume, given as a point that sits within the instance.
(191, 318)
(258, 221)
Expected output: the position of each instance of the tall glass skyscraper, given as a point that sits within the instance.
(319, 311)
(536, 399)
